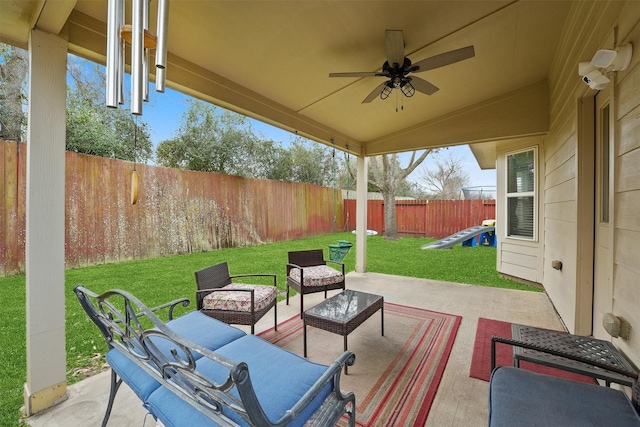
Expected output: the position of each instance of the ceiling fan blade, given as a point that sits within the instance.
(423, 86)
(356, 74)
(374, 93)
(395, 47)
(443, 59)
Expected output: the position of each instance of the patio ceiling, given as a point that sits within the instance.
(270, 60)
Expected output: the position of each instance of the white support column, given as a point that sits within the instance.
(361, 214)
(46, 357)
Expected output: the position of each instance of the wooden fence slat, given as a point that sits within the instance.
(11, 196)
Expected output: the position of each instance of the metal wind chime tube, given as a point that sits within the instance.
(137, 50)
(161, 45)
(122, 51)
(141, 44)
(160, 77)
(114, 51)
(145, 56)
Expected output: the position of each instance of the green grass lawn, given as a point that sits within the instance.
(155, 281)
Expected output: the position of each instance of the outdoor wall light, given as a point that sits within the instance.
(605, 61)
(616, 326)
(613, 60)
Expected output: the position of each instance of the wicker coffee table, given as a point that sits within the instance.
(343, 313)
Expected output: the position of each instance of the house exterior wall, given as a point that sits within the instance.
(626, 258)
(569, 147)
(566, 171)
(517, 257)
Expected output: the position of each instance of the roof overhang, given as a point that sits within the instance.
(271, 60)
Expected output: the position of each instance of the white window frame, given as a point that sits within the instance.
(532, 194)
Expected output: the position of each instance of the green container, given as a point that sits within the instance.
(339, 251)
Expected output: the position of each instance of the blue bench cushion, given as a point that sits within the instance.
(195, 326)
(140, 382)
(518, 397)
(176, 412)
(201, 329)
(280, 378)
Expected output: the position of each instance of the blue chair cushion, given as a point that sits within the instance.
(279, 377)
(518, 397)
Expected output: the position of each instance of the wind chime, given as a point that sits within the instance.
(142, 42)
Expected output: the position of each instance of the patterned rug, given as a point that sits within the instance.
(396, 376)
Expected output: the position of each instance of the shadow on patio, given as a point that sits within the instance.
(460, 400)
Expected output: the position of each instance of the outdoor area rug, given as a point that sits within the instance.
(481, 358)
(395, 376)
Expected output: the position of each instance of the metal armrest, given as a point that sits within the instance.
(170, 305)
(290, 265)
(338, 263)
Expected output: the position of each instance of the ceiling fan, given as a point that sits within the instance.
(397, 68)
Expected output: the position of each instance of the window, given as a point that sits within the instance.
(605, 146)
(521, 202)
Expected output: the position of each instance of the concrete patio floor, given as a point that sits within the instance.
(460, 400)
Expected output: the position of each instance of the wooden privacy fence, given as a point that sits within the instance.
(177, 211)
(426, 218)
(182, 211)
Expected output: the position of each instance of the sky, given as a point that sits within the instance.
(163, 113)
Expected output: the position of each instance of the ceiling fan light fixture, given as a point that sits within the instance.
(386, 91)
(408, 90)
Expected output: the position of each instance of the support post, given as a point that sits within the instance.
(45, 307)
(361, 214)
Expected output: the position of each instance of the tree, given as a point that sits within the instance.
(446, 179)
(387, 175)
(211, 141)
(270, 160)
(14, 65)
(216, 140)
(311, 162)
(92, 127)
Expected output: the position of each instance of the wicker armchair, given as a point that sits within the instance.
(235, 303)
(307, 272)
